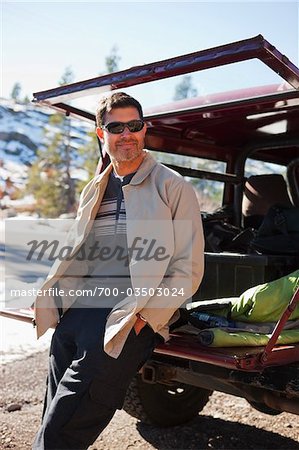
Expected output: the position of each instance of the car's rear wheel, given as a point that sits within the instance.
(162, 404)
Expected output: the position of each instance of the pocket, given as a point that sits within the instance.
(145, 331)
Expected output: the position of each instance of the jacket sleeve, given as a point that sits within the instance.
(186, 267)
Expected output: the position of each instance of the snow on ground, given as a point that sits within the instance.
(18, 340)
(24, 128)
(13, 168)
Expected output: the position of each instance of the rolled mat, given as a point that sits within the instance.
(217, 337)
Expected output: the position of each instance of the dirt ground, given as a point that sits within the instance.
(225, 423)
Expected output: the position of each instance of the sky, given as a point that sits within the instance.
(40, 39)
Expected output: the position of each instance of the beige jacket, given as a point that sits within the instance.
(161, 206)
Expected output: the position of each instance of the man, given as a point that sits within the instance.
(150, 218)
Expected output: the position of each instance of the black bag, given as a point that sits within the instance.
(224, 237)
(279, 232)
(221, 236)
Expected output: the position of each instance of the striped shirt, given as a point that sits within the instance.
(109, 275)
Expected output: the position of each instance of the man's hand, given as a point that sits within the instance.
(139, 324)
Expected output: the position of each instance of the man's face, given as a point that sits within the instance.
(126, 146)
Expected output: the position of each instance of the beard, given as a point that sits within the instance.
(126, 150)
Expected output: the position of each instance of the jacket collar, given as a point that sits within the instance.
(143, 170)
(104, 174)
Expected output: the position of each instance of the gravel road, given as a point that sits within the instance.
(225, 423)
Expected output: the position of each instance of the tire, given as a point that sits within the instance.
(261, 407)
(164, 405)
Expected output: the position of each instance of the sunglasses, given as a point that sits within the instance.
(118, 127)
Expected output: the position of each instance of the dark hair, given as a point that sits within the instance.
(116, 100)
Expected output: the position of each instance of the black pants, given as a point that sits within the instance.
(85, 386)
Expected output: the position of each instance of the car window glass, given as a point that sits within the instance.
(254, 167)
(209, 192)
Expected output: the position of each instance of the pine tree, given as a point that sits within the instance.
(89, 155)
(16, 91)
(47, 180)
(185, 89)
(67, 76)
(112, 60)
(50, 178)
(26, 100)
